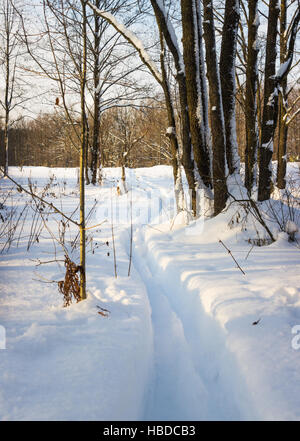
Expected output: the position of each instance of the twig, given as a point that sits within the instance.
(153, 228)
(104, 312)
(98, 225)
(46, 262)
(249, 252)
(256, 213)
(44, 280)
(35, 196)
(229, 252)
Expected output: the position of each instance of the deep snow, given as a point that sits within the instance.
(179, 342)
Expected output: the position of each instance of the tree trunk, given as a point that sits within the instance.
(286, 59)
(8, 95)
(6, 130)
(227, 74)
(282, 142)
(216, 110)
(83, 157)
(203, 86)
(87, 145)
(187, 159)
(282, 126)
(95, 151)
(171, 133)
(193, 85)
(252, 136)
(270, 109)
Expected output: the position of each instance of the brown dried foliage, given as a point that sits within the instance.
(70, 286)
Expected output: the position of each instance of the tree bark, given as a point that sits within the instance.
(252, 136)
(8, 87)
(216, 110)
(193, 88)
(83, 156)
(269, 118)
(171, 133)
(6, 131)
(95, 151)
(286, 56)
(187, 159)
(227, 74)
(282, 127)
(203, 86)
(282, 140)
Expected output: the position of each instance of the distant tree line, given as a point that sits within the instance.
(135, 137)
(50, 140)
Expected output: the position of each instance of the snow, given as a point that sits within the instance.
(172, 35)
(255, 45)
(171, 131)
(283, 68)
(291, 227)
(180, 341)
(270, 146)
(256, 20)
(272, 97)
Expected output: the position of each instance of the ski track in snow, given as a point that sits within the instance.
(179, 389)
(186, 383)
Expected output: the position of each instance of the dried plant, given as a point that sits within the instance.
(70, 286)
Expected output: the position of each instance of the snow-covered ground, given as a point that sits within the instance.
(180, 341)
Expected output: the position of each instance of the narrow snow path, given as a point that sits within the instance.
(176, 390)
(185, 383)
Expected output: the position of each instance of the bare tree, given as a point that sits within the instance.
(284, 116)
(170, 39)
(166, 28)
(95, 148)
(227, 74)
(83, 147)
(273, 81)
(191, 55)
(216, 110)
(171, 132)
(13, 95)
(252, 138)
(112, 64)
